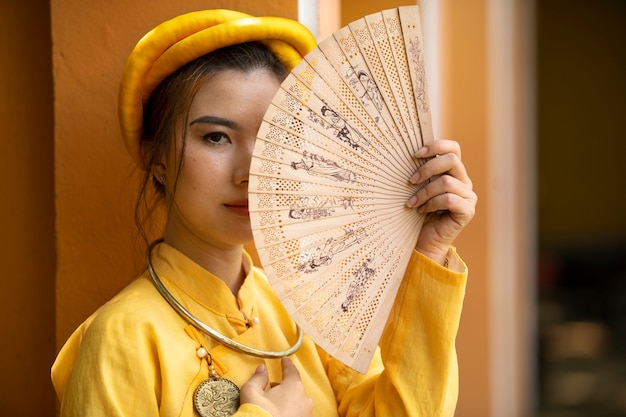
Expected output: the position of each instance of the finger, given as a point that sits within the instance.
(439, 147)
(442, 185)
(459, 208)
(448, 163)
(259, 380)
(290, 372)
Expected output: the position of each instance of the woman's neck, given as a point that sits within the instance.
(226, 263)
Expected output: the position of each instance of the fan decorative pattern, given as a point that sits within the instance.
(329, 180)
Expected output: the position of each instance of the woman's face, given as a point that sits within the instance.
(211, 201)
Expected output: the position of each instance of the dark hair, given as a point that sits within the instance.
(168, 108)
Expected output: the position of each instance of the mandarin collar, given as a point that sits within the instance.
(202, 286)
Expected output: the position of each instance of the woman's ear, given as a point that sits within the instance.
(159, 172)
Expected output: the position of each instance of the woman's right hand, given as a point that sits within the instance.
(286, 399)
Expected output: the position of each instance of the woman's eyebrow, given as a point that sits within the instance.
(215, 121)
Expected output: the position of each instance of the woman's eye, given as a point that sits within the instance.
(216, 138)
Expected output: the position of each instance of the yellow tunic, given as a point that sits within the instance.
(137, 357)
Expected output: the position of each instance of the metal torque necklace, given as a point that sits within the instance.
(232, 344)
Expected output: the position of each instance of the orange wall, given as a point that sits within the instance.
(27, 252)
(355, 9)
(464, 118)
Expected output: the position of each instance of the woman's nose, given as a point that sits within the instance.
(243, 160)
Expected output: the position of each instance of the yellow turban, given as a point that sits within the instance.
(184, 38)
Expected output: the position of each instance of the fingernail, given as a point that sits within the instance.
(422, 151)
(412, 201)
(415, 179)
(260, 369)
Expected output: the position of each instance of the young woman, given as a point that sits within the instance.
(190, 117)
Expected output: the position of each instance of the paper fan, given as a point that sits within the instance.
(329, 181)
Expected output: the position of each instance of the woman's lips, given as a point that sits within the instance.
(239, 208)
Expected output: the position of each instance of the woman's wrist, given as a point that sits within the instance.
(438, 256)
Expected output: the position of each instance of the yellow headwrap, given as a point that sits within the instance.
(182, 39)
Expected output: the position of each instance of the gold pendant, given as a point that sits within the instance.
(216, 397)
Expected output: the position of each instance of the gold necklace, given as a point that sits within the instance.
(232, 344)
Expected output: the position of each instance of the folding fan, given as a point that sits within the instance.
(329, 181)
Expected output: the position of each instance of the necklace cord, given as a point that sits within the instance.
(230, 343)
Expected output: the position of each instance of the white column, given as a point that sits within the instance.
(308, 15)
(511, 205)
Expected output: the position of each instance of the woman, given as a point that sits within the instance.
(190, 121)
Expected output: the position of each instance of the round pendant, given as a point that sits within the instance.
(217, 397)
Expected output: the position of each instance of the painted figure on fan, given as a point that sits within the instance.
(318, 165)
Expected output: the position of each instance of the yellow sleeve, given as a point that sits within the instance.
(415, 371)
(113, 373)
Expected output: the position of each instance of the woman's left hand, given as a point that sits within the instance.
(448, 197)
